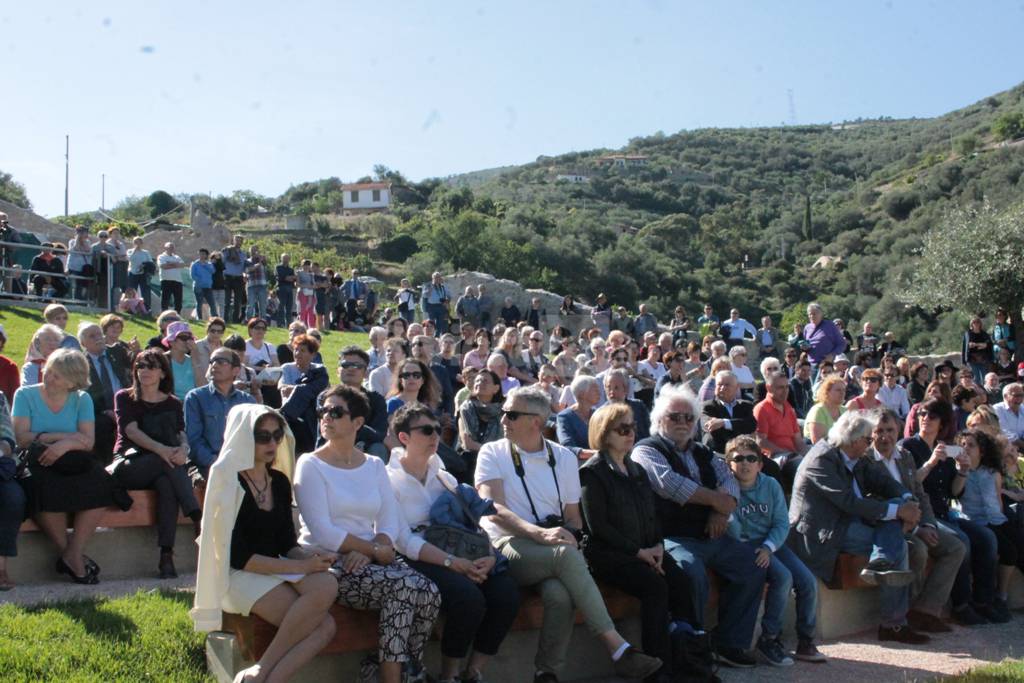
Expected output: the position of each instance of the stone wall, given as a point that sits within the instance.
(187, 242)
(499, 289)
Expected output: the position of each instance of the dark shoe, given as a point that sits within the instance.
(735, 657)
(635, 664)
(197, 528)
(771, 649)
(968, 616)
(90, 565)
(5, 582)
(902, 634)
(807, 652)
(167, 570)
(545, 677)
(1002, 609)
(89, 578)
(921, 621)
(884, 573)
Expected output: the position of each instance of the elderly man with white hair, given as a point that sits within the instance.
(535, 486)
(1011, 416)
(842, 503)
(435, 298)
(572, 424)
(696, 494)
(616, 390)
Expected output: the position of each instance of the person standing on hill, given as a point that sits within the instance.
(435, 299)
(201, 272)
(286, 280)
(824, 338)
(138, 272)
(234, 284)
(256, 283)
(171, 266)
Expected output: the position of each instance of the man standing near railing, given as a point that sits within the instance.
(103, 255)
(171, 266)
(80, 261)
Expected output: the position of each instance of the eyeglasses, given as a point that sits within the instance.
(681, 417)
(411, 375)
(220, 359)
(872, 379)
(147, 366)
(537, 339)
(264, 436)
(619, 357)
(184, 337)
(216, 330)
(889, 376)
(426, 430)
(626, 429)
(259, 327)
(513, 415)
(333, 412)
(349, 364)
(419, 343)
(745, 458)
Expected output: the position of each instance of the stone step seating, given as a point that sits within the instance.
(124, 544)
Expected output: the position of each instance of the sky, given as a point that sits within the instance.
(199, 97)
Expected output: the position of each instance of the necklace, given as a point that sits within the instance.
(259, 493)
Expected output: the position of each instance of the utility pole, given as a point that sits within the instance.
(103, 192)
(67, 158)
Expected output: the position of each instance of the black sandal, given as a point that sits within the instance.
(89, 578)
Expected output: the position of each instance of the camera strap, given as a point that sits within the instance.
(517, 463)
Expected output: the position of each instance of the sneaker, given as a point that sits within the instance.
(635, 664)
(968, 616)
(928, 623)
(902, 634)
(807, 652)
(771, 650)
(735, 657)
(885, 573)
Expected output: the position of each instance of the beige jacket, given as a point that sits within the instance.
(223, 498)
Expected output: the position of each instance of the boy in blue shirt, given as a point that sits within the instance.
(761, 518)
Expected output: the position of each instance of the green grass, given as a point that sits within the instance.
(20, 323)
(1006, 670)
(143, 637)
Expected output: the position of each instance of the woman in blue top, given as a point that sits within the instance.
(414, 382)
(185, 364)
(55, 421)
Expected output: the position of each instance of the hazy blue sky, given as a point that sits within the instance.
(194, 96)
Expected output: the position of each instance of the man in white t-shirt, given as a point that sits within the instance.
(171, 266)
(535, 486)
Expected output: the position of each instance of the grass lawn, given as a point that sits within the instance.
(143, 637)
(21, 322)
(1006, 670)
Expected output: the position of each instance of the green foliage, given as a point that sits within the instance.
(160, 202)
(899, 204)
(399, 248)
(1009, 126)
(13, 191)
(970, 261)
(965, 144)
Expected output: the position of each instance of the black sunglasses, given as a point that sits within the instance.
(416, 374)
(333, 412)
(426, 430)
(626, 429)
(681, 417)
(745, 458)
(349, 364)
(216, 330)
(147, 366)
(265, 436)
(514, 415)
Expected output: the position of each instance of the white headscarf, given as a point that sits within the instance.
(221, 502)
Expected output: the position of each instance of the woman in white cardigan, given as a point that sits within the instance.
(347, 506)
(249, 561)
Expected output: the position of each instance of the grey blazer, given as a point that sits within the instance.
(824, 504)
(908, 472)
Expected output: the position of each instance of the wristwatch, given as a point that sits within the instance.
(448, 561)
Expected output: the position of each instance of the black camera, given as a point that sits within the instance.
(552, 522)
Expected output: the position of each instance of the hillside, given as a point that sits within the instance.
(731, 216)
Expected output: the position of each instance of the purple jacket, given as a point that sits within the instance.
(825, 339)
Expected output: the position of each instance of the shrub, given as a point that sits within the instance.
(900, 204)
(399, 248)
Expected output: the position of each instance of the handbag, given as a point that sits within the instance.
(71, 463)
(693, 656)
(456, 541)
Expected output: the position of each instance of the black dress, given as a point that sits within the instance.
(263, 532)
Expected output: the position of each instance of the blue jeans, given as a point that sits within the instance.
(286, 312)
(257, 302)
(979, 566)
(439, 314)
(786, 572)
(883, 541)
(743, 581)
(140, 283)
(202, 295)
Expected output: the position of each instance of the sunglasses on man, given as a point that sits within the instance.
(332, 412)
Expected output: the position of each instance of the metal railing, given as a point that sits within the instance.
(88, 286)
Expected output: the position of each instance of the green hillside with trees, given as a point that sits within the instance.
(732, 216)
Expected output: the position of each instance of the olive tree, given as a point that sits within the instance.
(971, 261)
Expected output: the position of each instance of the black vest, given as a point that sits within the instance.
(690, 520)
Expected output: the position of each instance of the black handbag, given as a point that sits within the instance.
(456, 541)
(693, 657)
(71, 463)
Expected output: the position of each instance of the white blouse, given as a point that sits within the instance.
(335, 502)
(415, 499)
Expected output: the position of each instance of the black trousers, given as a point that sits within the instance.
(234, 299)
(477, 614)
(169, 289)
(662, 598)
(173, 490)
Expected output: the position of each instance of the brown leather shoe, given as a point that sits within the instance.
(929, 623)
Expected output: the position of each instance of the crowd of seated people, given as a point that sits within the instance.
(621, 452)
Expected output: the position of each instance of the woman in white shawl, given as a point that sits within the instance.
(248, 545)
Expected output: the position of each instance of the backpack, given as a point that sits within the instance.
(693, 656)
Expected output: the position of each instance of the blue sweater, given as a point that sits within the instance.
(761, 515)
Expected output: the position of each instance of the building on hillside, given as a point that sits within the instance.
(623, 160)
(365, 198)
(295, 222)
(572, 178)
